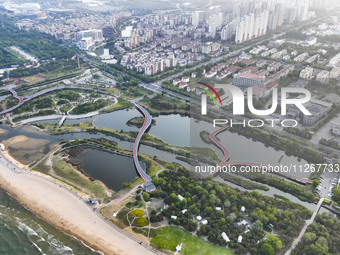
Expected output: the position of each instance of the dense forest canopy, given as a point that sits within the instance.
(41, 46)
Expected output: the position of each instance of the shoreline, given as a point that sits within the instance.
(65, 210)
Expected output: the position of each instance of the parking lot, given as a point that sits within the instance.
(328, 180)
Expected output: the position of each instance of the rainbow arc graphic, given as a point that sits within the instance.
(210, 94)
(204, 97)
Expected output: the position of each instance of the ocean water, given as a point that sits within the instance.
(21, 233)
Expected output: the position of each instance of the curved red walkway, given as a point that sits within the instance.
(213, 138)
(226, 157)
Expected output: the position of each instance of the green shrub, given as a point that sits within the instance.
(137, 213)
(141, 221)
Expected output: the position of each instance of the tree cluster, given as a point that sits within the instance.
(202, 196)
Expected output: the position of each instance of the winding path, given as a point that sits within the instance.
(45, 91)
(213, 138)
(226, 157)
(146, 124)
(303, 231)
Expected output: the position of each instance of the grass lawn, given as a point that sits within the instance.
(169, 237)
(31, 79)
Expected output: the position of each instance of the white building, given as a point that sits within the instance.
(248, 80)
(204, 222)
(95, 34)
(323, 76)
(335, 61)
(309, 42)
(127, 32)
(85, 43)
(251, 27)
(225, 237)
(227, 32)
(197, 18)
(306, 73)
(302, 11)
(335, 127)
(335, 73)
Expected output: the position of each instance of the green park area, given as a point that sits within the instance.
(169, 237)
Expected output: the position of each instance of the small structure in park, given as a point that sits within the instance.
(149, 186)
(225, 237)
(205, 222)
(179, 248)
(243, 222)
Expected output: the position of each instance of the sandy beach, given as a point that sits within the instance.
(66, 210)
(25, 149)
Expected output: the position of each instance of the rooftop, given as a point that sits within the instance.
(251, 76)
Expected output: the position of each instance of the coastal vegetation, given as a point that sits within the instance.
(64, 172)
(321, 237)
(121, 105)
(39, 113)
(201, 197)
(138, 122)
(10, 102)
(330, 143)
(90, 106)
(301, 192)
(205, 137)
(64, 102)
(305, 133)
(242, 182)
(336, 194)
(69, 95)
(160, 102)
(204, 154)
